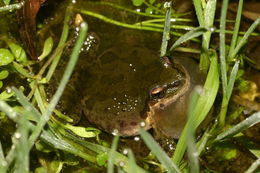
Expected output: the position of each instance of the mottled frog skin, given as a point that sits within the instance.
(129, 84)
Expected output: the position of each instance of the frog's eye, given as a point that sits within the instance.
(158, 92)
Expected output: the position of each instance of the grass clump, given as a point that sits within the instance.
(35, 125)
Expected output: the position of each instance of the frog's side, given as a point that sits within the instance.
(119, 87)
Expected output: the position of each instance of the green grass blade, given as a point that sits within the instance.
(222, 46)
(132, 163)
(191, 150)
(208, 21)
(187, 36)
(22, 150)
(166, 30)
(68, 71)
(101, 149)
(63, 39)
(254, 166)
(232, 79)
(209, 15)
(248, 122)
(111, 155)
(26, 104)
(244, 39)
(225, 99)
(3, 162)
(199, 11)
(202, 108)
(159, 153)
(236, 28)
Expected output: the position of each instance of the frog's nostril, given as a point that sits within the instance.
(157, 92)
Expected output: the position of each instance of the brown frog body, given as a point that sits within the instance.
(131, 84)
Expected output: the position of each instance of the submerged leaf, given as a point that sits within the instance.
(48, 44)
(6, 57)
(137, 2)
(4, 74)
(18, 52)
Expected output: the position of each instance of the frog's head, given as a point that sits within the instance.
(168, 111)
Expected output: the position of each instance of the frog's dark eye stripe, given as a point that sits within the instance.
(158, 92)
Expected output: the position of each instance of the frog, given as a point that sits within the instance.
(131, 86)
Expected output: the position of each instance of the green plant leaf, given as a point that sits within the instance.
(151, 1)
(187, 36)
(112, 155)
(81, 131)
(6, 57)
(6, 95)
(7, 2)
(158, 151)
(137, 2)
(48, 45)
(202, 107)
(4, 74)
(18, 52)
(248, 122)
(1, 84)
(102, 158)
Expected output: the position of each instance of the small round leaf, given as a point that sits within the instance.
(137, 2)
(3, 74)
(6, 57)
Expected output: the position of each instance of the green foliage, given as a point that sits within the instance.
(47, 48)
(53, 136)
(18, 52)
(6, 57)
(137, 2)
(7, 2)
(102, 159)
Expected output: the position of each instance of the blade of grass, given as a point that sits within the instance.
(244, 39)
(167, 28)
(111, 155)
(22, 150)
(209, 15)
(26, 104)
(236, 29)
(222, 47)
(114, 5)
(187, 36)
(159, 153)
(61, 144)
(248, 122)
(64, 36)
(121, 24)
(254, 166)
(191, 150)
(202, 108)
(226, 97)
(101, 149)
(132, 163)
(232, 79)
(199, 11)
(68, 71)
(3, 162)
(208, 21)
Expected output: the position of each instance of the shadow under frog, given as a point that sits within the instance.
(129, 84)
